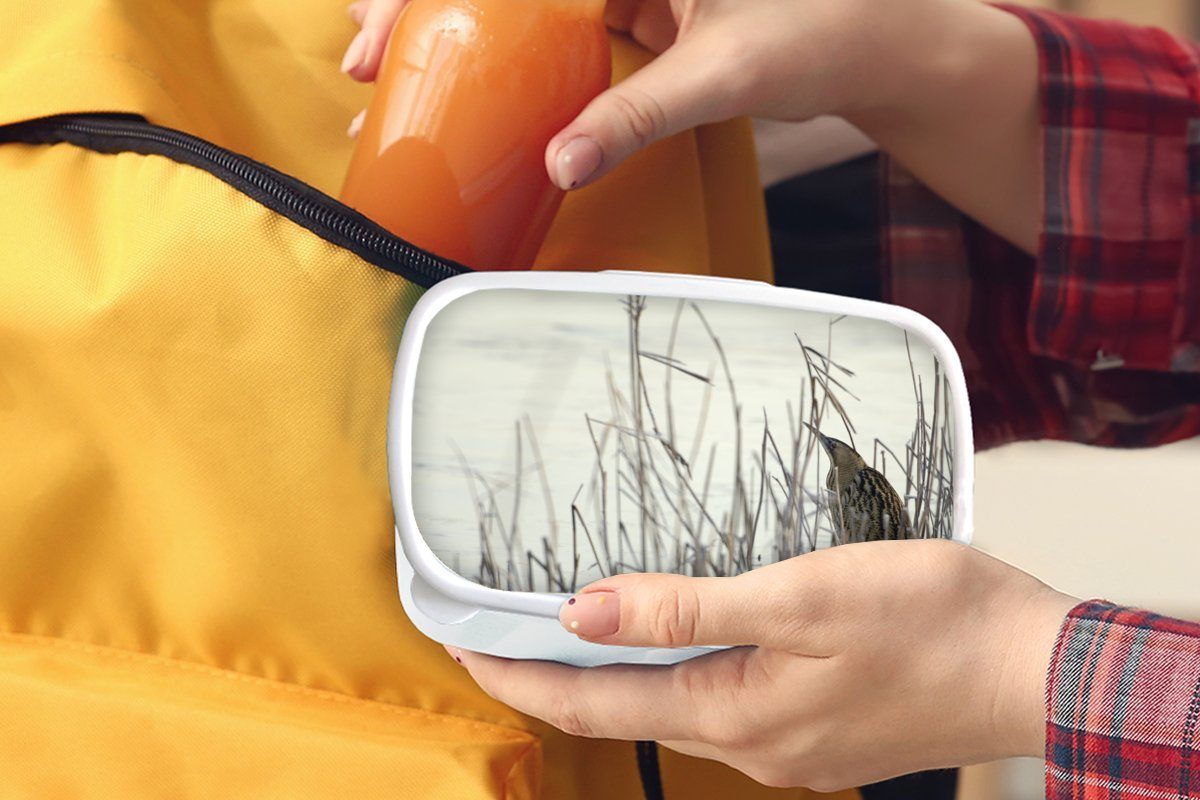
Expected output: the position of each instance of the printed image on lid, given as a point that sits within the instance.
(560, 437)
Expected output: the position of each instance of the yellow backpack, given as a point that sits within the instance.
(197, 587)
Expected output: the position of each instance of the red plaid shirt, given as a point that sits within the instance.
(1095, 340)
(1124, 707)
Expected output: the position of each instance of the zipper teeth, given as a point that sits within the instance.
(393, 249)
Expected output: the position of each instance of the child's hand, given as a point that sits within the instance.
(857, 664)
(947, 87)
(375, 18)
(718, 59)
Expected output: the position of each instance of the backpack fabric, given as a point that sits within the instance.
(197, 586)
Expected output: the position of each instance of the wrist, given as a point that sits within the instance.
(1020, 703)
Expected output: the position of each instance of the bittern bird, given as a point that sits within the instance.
(867, 508)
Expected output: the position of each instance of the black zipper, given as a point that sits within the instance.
(318, 212)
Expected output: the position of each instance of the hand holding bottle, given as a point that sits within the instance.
(947, 87)
(468, 93)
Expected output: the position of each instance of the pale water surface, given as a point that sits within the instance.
(496, 357)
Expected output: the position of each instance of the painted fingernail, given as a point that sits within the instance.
(356, 125)
(454, 652)
(577, 161)
(356, 53)
(592, 614)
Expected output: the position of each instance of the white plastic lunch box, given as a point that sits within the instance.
(547, 429)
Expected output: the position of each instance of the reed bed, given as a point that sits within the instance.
(650, 505)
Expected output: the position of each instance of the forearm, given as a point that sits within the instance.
(953, 96)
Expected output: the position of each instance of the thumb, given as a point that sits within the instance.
(669, 611)
(680, 89)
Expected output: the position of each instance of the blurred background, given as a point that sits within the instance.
(1108, 542)
(1085, 520)
(1177, 16)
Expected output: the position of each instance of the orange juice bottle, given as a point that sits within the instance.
(451, 155)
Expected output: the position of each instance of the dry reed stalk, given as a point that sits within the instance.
(645, 469)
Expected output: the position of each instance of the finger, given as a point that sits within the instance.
(676, 611)
(356, 124)
(684, 87)
(654, 26)
(354, 55)
(617, 702)
(358, 11)
(620, 14)
(366, 51)
(651, 23)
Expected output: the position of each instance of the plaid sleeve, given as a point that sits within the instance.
(1124, 707)
(1117, 281)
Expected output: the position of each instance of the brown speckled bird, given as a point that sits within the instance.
(868, 508)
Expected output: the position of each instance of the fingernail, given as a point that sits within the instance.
(356, 125)
(454, 652)
(356, 52)
(357, 11)
(577, 161)
(592, 614)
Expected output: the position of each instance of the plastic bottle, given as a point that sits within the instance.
(451, 155)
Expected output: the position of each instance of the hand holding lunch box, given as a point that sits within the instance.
(794, 468)
(649, 423)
